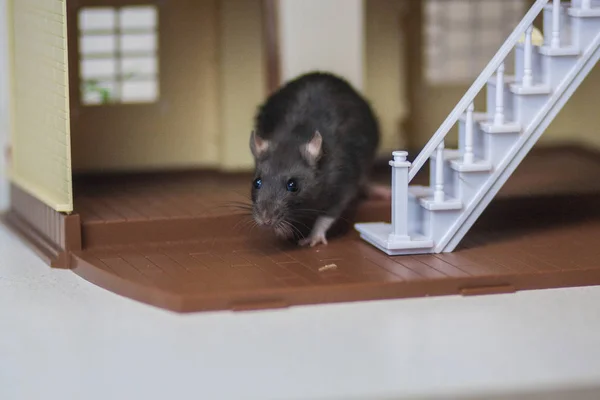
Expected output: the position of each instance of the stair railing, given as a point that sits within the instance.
(403, 172)
(496, 64)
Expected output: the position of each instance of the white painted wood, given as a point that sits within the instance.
(555, 43)
(499, 115)
(322, 35)
(476, 87)
(527, 61)
(438, 195)
(469, 157)
(581, 68)
(454, 201)
(585, 4)
(400, 195)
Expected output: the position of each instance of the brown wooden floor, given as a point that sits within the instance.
(204, 195)
(542, 231)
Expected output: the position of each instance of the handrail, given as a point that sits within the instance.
(476, 87)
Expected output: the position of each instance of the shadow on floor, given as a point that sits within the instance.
(519, 217)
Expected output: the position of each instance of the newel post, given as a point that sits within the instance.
(400, 168)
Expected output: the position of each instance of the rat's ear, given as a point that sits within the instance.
(258, 145)
(313, 149)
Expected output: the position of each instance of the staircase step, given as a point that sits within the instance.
(477, 116)
(448, 204)
(508, 79)
(581, 13)
(448, 154)
(419, 191)
(507, 127)
(557, 64)
(534, 89)
(425, 196)
(475, 166)
(563, 51)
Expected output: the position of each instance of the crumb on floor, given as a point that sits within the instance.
(327, 267)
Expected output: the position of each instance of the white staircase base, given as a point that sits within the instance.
(379, 234)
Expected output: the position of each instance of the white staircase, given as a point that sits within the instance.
(463, 181)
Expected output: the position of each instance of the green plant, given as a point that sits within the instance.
(93, 86)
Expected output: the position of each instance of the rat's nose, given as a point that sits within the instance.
(264, 219)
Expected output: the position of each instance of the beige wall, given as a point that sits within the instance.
(207, 127)
(385, 83)
(579, 120)
(241, 86)
(181, 130)
(322, 35)
(359, 40)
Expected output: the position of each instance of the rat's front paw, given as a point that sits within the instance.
(313, 240)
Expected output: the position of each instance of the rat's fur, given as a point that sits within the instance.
(319, 131)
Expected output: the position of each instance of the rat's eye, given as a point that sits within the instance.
(257, 183)
(292, 186)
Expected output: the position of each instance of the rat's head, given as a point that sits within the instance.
(285, 182)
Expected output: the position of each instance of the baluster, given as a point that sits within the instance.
(400, 195)
(527, 72)
(499, 115)
(468, 157)
(555, 43)
(586, 4)
(438, 195)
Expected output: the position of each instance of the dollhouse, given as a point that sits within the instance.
(129, 151)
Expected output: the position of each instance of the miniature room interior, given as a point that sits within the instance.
(159, 104)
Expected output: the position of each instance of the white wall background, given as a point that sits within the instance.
(3, 104)
(322, 35)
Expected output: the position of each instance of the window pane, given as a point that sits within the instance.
(144, 42)
(490, 12)
(140, 91)
(104, 44)
(97, 68)
(144, 66)
(118, 67)
(457, 10)
(466, 35)
(144, 17)
(94, 93)
(97, 18)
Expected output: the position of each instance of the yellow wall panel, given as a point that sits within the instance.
(41, 148)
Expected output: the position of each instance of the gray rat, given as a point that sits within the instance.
(313, 143)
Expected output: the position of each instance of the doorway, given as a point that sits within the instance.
(142, 83)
